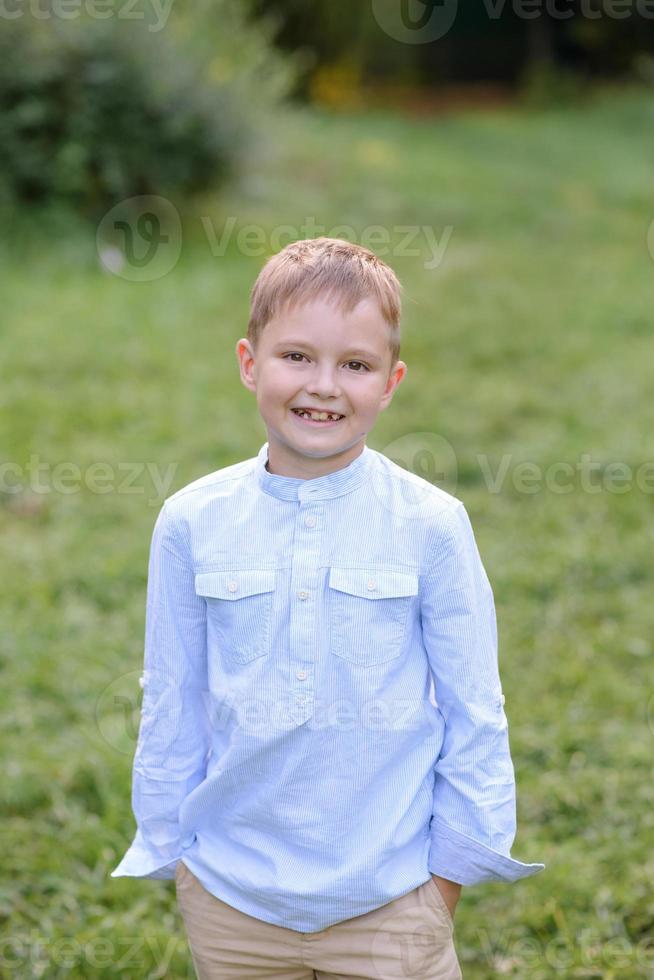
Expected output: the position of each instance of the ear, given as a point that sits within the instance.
(395, 377)
(247, 364)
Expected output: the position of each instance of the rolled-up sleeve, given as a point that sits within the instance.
(473, 821)
(173, 741)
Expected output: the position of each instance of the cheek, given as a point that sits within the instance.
(370, 395)
(281, 376)
(278, 388)
(275, 382)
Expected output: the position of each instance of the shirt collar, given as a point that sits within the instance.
(321, 487)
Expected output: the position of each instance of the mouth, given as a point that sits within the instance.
(310, 417)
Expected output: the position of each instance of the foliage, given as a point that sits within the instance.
(96, 111)
(485, 41)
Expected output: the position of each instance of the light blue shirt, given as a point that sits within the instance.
(322, 724)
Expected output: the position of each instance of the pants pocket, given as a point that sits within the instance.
(181, 874)
(440, 900)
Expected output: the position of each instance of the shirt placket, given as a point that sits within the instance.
(304, 597)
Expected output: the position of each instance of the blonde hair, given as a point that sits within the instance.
(331, 268)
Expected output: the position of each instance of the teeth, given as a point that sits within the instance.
(318, 416)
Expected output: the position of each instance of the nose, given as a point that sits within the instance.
(324, 382)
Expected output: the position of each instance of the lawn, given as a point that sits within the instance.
(521, 238)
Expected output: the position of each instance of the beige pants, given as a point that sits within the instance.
(409, 938)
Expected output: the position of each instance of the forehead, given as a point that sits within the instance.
(321, 319)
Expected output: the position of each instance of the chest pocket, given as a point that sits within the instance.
(239, 608)
(368, 613)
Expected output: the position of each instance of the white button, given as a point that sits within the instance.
(502, 699)
(302, 595)
(372, 584)
(141, 681)
(310, 522)
(232, 586)
(301, 674)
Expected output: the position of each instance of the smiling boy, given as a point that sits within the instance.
(319, 809)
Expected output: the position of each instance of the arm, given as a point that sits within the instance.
(474, 809)
(173, 742)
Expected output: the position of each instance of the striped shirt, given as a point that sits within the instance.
(322, 725)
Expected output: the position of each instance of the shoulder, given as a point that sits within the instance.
(184, 508)
(225, 479)
(187, 512)
(441, 515)
(422, 498)
(190, 513)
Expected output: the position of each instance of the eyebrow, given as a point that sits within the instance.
(357, 352)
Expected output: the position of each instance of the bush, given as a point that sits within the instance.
(93, 112)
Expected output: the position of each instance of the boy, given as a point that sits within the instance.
(318, 809)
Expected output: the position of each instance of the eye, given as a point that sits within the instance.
(291, 355)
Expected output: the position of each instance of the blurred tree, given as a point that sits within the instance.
(93, 111)
(488, 40)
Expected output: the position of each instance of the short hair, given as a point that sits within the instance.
(332, 268)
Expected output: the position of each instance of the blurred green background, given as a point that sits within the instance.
(515, 203)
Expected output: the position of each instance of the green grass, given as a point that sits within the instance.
(530, 343)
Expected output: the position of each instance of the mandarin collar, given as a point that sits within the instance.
(319, 488)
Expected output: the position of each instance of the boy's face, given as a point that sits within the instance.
(314, 357)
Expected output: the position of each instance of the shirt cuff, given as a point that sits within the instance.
(463, 859)
(140, 862)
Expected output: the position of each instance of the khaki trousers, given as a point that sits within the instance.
(409, 938)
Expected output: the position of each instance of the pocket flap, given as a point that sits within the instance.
(374, 583)
(235, 584)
